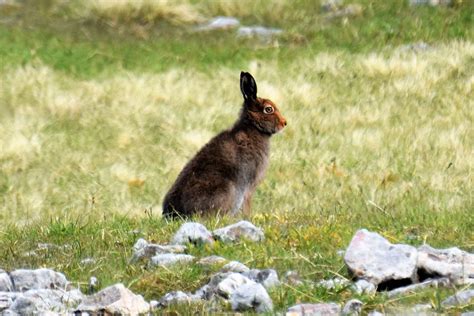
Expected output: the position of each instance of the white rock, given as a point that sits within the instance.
(375, 313)
(238, 231)
(168, 259)
(150, 250)
(176, 297)
(453, 263)
(268, 278)
(251, 296)
(39, 301)
(460, 298)
(25, 280)
(7, 298)
(194, 233)
(364, 287)
(314, 309)
(219, 23)
(371, 257)
(235, 266)
(140, 244)
(6, 284)
(258, 31)
(352, 307)
(233, 281)
(115, 299)
(292, 278)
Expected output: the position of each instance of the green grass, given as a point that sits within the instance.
(98, 116)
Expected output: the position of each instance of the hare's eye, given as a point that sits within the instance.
(268, 110)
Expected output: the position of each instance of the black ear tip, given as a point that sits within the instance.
(242, 74)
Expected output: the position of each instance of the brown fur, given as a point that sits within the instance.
(226, 171)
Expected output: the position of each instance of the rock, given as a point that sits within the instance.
(453, 263)
(375, 313)
(93, 283)
(417, 310)
(314, 309)
(212, 260)
(352, 307)
(268, 278)
(235, 266)
(292, 278)
(219, 23)
(6, 284)
(39, 301)
(331, 5)
(154, 305)
(140, 244)
(238, 231)
(418, 286)
(336, 283)
(176, 297)
(115, 299)
(416, 47)
(168, 259)
(6, 299)
(460, 298)
(231, 283)
(364, 287)
(371, 257)
(25, 280)
(194, 233)
(251, 296)
(264, 33)
(433, 3)
(468, 314)
(150, 250)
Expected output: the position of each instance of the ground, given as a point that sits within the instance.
(102, 106)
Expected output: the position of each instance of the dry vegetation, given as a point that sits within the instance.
(392, 130)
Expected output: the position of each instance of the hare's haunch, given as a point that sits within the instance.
(224, 174)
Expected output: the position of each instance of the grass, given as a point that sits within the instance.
(97, 118)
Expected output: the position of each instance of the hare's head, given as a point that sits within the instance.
(262, 113)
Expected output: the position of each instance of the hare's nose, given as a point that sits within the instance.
(284, 122)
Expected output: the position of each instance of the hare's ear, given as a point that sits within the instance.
(248, 87)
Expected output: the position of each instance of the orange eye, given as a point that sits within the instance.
(268, 110)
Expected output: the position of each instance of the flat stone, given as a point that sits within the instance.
(261, 32)
(115, 299)
(219, 23)
(453, 263)
(314, 309)
(352, 307)
(241, 230)
(371, 257)
(432, 3)
(168, 259)
(194, 233)
(442, 282)
(212, 260)
(151, 250)
(468, 314)
(251, 296)
(6, 284)
(25, 280)
(460, 298)
(235, 266)
(375, 313)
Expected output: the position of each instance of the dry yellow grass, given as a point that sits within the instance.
(392, 129)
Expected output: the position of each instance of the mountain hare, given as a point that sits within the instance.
(224, 174)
